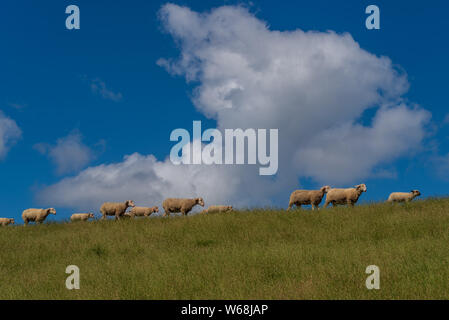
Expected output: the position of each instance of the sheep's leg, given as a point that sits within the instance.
(350, 203)
(313, 207)
(326, 203)
(289, 206)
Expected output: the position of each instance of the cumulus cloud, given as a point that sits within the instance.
(315, 87)
(354, 150)
(9, 134)
(69, 154)
(137, 177)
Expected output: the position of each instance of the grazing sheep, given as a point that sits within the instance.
(403, 196)
(305, 197)
(347, 196)
(142, 211)
(81, 216)
(217, 209)
(6, 221)
(116, 209)
(36, 215)
(172, 205)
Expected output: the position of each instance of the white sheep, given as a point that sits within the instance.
(81, 216)
(142, 211)
(217, 209)
(306, 197)
(403, 196)
(172, 205)
(347, 196)
(36, 215)
(116, 209)
(6, 221)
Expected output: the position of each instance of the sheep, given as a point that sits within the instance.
(81, 216)
(142, 211)
(6, 221)
(347, 196)
(36, 215)
(172, 205)
(403, 196)
(116, 209)
(217, 209)
(305, 197)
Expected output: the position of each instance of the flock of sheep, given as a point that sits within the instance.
(335, 196)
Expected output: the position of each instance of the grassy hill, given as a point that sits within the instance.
(257, 254)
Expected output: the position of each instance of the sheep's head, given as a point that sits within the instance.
(200, 201)
(230, 208)
(11, 221)
(325, 189)
(361, 187)
(156, 209)
(130, 203)
(416, 193)
(51, 210)
(90, 215)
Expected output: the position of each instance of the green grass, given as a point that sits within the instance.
(257, 254)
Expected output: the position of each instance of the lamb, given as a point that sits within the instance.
(36, 215)
(217, 209)
(116, 209)
(347, 196)
(403, 196)
(142, 211)
(6, 221)
(81, 216)
(305, 197)
(172, 205)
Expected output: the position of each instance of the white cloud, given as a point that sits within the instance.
(99, 87)
(9, 134)
(354, 150)
(312, 86)
(141, 178)
(69, 154)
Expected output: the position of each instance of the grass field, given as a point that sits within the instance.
(257, 254)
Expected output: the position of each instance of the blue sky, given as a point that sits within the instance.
(100, 92)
